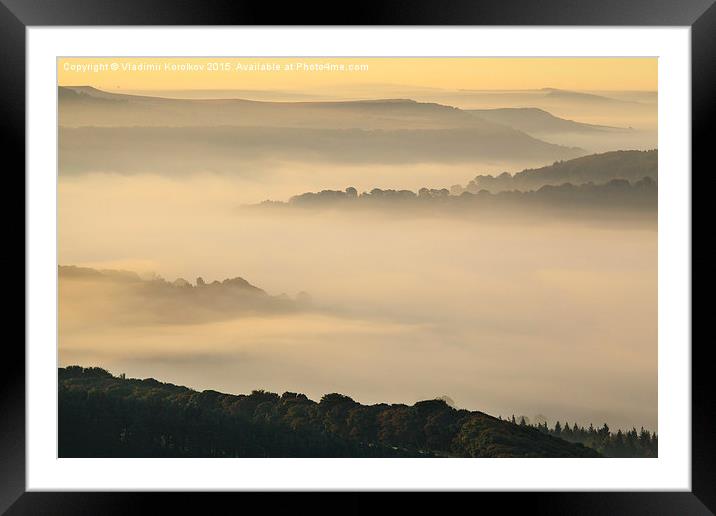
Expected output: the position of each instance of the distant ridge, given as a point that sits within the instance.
(555, 92)
(83, 91)
(156, 300)
(177, 136)
(550, 92)
(79, 107)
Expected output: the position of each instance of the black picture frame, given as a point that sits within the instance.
(17, 15)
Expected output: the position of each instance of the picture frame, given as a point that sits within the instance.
(16, 16)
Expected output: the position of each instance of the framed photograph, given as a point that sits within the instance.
(424, 249)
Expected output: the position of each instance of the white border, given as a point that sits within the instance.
(670, 471)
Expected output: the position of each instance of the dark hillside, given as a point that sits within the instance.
(105, 416)
(596, 168)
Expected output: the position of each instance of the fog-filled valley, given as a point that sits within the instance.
(487, 246)
(402, 309)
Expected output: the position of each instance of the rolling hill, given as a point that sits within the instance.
(595, 168)
(545, 126)
(120, 297)
(108, 132)
(230, 149)
(538, 121)
(623, 109)
(101, 415)
(87, 106)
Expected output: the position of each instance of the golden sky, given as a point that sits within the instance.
(306, 73)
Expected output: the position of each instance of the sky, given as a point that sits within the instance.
(586, 74)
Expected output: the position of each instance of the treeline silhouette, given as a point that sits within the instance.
(617, 193)
(631, 165)
(101, 415)
(156, 300)
(631, 443)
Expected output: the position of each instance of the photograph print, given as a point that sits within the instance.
(357, 257)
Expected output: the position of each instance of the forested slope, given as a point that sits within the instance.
(105, 416)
